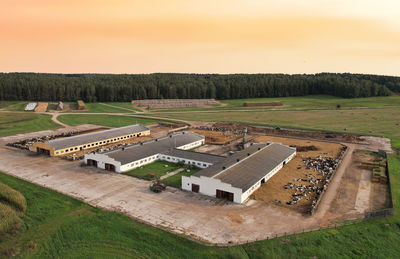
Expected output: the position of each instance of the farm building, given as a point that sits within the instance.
(173, 148)
(238, 176)
(72, 144)
(80, 105)
(60, 106)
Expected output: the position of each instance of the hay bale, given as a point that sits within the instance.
(12, 197)
(8, 217)
(81, 105)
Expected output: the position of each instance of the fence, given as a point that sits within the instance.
(342, 155)
(386, 212)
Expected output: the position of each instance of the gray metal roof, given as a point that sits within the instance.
(249, 169)
(201, 157)
(95, 136)
(156, 146)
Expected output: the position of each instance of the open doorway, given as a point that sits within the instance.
(224, 195)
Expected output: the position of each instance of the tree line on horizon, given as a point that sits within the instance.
(125, 87)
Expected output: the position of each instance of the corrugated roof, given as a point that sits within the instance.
(152, 147)
(187, 154)
(249, 169)
(95, 136)
(229, 161)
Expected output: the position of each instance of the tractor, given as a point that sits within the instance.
(157, 186)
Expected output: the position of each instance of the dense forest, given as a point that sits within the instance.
(106, 87)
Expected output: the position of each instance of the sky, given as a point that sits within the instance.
(200, 36)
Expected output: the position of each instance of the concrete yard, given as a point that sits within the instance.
(196, 216)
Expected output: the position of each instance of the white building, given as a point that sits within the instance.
(173, 148)
(238, 176)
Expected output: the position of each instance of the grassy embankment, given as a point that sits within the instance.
(12, 207)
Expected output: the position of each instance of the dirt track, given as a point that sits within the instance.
(194, 215)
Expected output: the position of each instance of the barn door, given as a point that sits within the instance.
(230, 196)
(195, 188)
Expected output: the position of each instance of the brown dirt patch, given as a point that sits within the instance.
(273, 191)
(176, 103)
(41, 107)
(218, 137)
(276, 131)
(234, 218)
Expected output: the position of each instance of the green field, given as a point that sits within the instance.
(158, 168)
(11, 123)
(126, 105)
(377, 122)
(101, 108)
(104, 120)
(176, 180)
(17, 106)
(5, 104)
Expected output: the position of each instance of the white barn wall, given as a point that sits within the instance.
(209, 186)
(102, 160)
(139, 163)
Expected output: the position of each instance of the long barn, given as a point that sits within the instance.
(69, 145)
(173, 148)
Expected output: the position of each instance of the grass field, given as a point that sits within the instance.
(5, 104)
(11, 124)
(158, 168)
(176, 180)
(378, 122)
(104, 120)
(101, 108)
(126, 105)
(17, 106)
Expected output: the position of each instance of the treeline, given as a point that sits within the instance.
(105, 87)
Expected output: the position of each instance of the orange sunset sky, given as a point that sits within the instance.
(224, 36)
